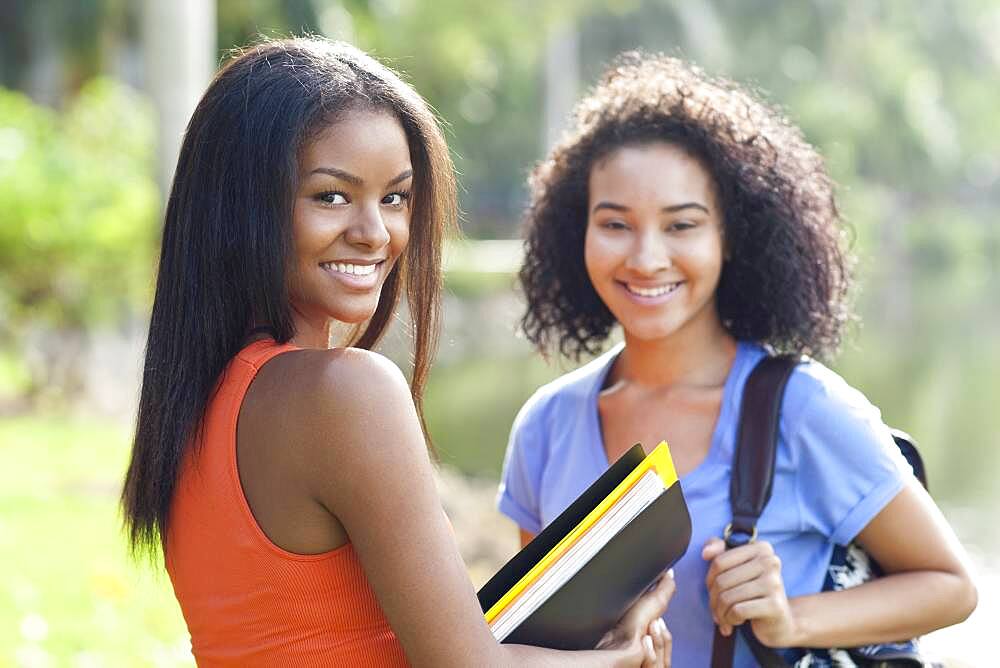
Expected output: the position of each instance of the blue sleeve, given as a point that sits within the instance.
(848, 466)
(517, 497)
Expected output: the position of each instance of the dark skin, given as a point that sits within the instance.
(329, 445)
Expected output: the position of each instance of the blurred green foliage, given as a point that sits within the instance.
(901, 98)
(77, 205)
(901, 102)
(77, 211)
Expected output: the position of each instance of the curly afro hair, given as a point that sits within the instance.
(786, 278)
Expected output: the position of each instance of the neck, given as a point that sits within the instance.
(693, 356)
(310, 334)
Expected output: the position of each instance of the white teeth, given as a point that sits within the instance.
(353, 269)
(652, 292)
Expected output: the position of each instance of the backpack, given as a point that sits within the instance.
(750, 490)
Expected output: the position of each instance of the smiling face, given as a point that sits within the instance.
(350, 222)
(654, 242)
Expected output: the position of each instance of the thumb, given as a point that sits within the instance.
(713, 548)
(650, 605)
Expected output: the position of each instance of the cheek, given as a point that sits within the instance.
(708, 261)
(306, 229)
(399, 234)
(593, 255)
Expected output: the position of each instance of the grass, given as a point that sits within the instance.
(69, 594)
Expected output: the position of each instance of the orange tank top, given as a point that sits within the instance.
(246, 601)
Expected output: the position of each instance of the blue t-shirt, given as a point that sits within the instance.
(836, 468)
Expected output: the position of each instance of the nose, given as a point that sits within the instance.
(650, 254)
(368, 229)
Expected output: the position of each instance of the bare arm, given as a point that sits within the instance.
(927, 585)
(373, 473)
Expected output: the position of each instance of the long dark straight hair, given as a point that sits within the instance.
(227, 237)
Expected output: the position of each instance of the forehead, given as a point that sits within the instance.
(656, 171)
(359, 141)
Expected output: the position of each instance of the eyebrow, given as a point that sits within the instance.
(357, 180)
(673, 208)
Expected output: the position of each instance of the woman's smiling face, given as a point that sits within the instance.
(350, 222)
(654, 242)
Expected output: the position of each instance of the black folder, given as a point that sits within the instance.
(592, 601)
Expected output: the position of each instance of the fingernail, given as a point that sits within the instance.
(670, 572)
(647, 643)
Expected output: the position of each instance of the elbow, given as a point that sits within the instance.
(962, 598)
(967, 598)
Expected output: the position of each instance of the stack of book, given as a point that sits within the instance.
(572, 583)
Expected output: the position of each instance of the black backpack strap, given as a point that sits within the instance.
(750, 482)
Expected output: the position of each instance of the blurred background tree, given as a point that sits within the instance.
(901, 99)
(78, 212)
(901, 102)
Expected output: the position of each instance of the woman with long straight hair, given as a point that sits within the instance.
(286, 482)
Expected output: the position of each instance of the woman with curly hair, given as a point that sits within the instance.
(287, 482)
(693, 215)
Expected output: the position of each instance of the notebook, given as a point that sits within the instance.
(572, 583)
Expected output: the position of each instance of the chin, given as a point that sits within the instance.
(649, 335)
(354, 317)
(649, 331)
(353, 312)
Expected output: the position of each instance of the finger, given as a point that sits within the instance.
(729, 579)
(737, 556)
(649, 652)
(738, 575)
(726, 609)
(662, 591)
(667, 587)
(666, 643)
(657, 636)
(657, 631)
(648, 607)
(758, 608)
(713, 547)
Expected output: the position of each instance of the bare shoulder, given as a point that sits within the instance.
(353, 409)
(338, 383)
(344, 377)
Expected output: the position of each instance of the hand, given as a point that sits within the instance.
(745, 584)
(641, 633)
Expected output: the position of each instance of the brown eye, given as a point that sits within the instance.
(332, 198)
(396, 199)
